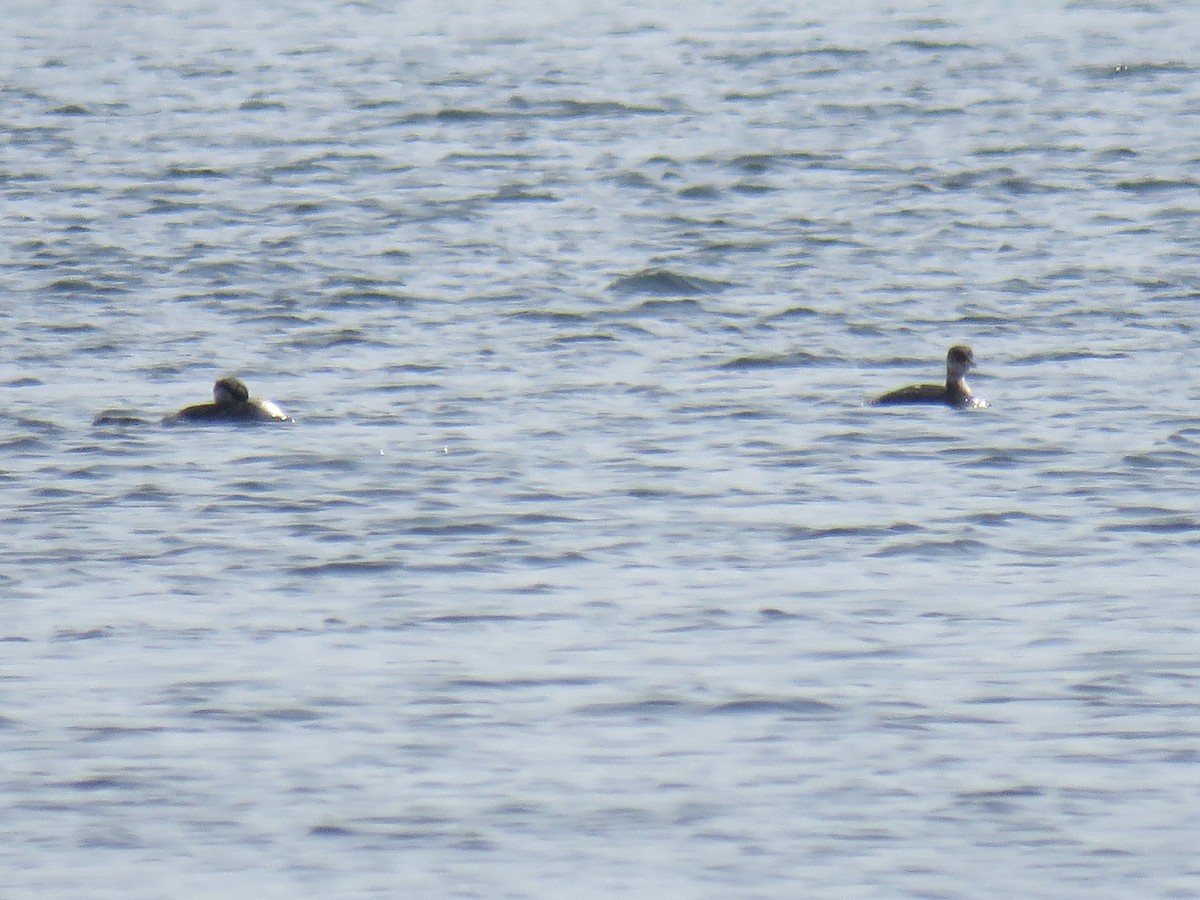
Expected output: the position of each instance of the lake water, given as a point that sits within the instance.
(586, 569)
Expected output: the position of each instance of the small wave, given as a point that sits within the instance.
(290, 714)
(167, 205)
(341, 337)
(451, 115)
(1021, 187)
(517, 193)
(1060, 356)
(773, 614)
(664, 309)
(791, 706)
(548, 316)
(22, 443)
(1135, 70)
(748, 187)
(417, 830)
(504, 684)
(1185, 437)
(804, 706)
(257, 104)
(86, 286)
(933, 548)
(699, 192)
(999, 800)
(754, 163)
(803, 533)
(971, 178)
(332, 831)
(576, 108)
(453, 529)
(119, 418)
(762, 163)
(665, 283)
(257, 717)
(348, 567)
(792, 313)
(351, 295)
(927, 46)
(473, 619)
(86, 634)
(193, 172)
(1166, 525)
(102, 783)
(1010, 517)
(147, 493)
(1157, 185)
(796, 360)
(655, 705)
(1160, 459)
(755, 58)
(583, 338)
(545, 560)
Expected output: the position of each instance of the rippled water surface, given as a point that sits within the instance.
(586, 569)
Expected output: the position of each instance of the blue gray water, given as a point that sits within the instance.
(585, 569)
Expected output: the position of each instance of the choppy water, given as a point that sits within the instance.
(585, 570)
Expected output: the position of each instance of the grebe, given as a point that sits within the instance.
(954, 393)
(231, 403)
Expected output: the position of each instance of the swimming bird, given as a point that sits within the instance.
(231, 403)
(954, 392)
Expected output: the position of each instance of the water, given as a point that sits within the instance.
(585, 570)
